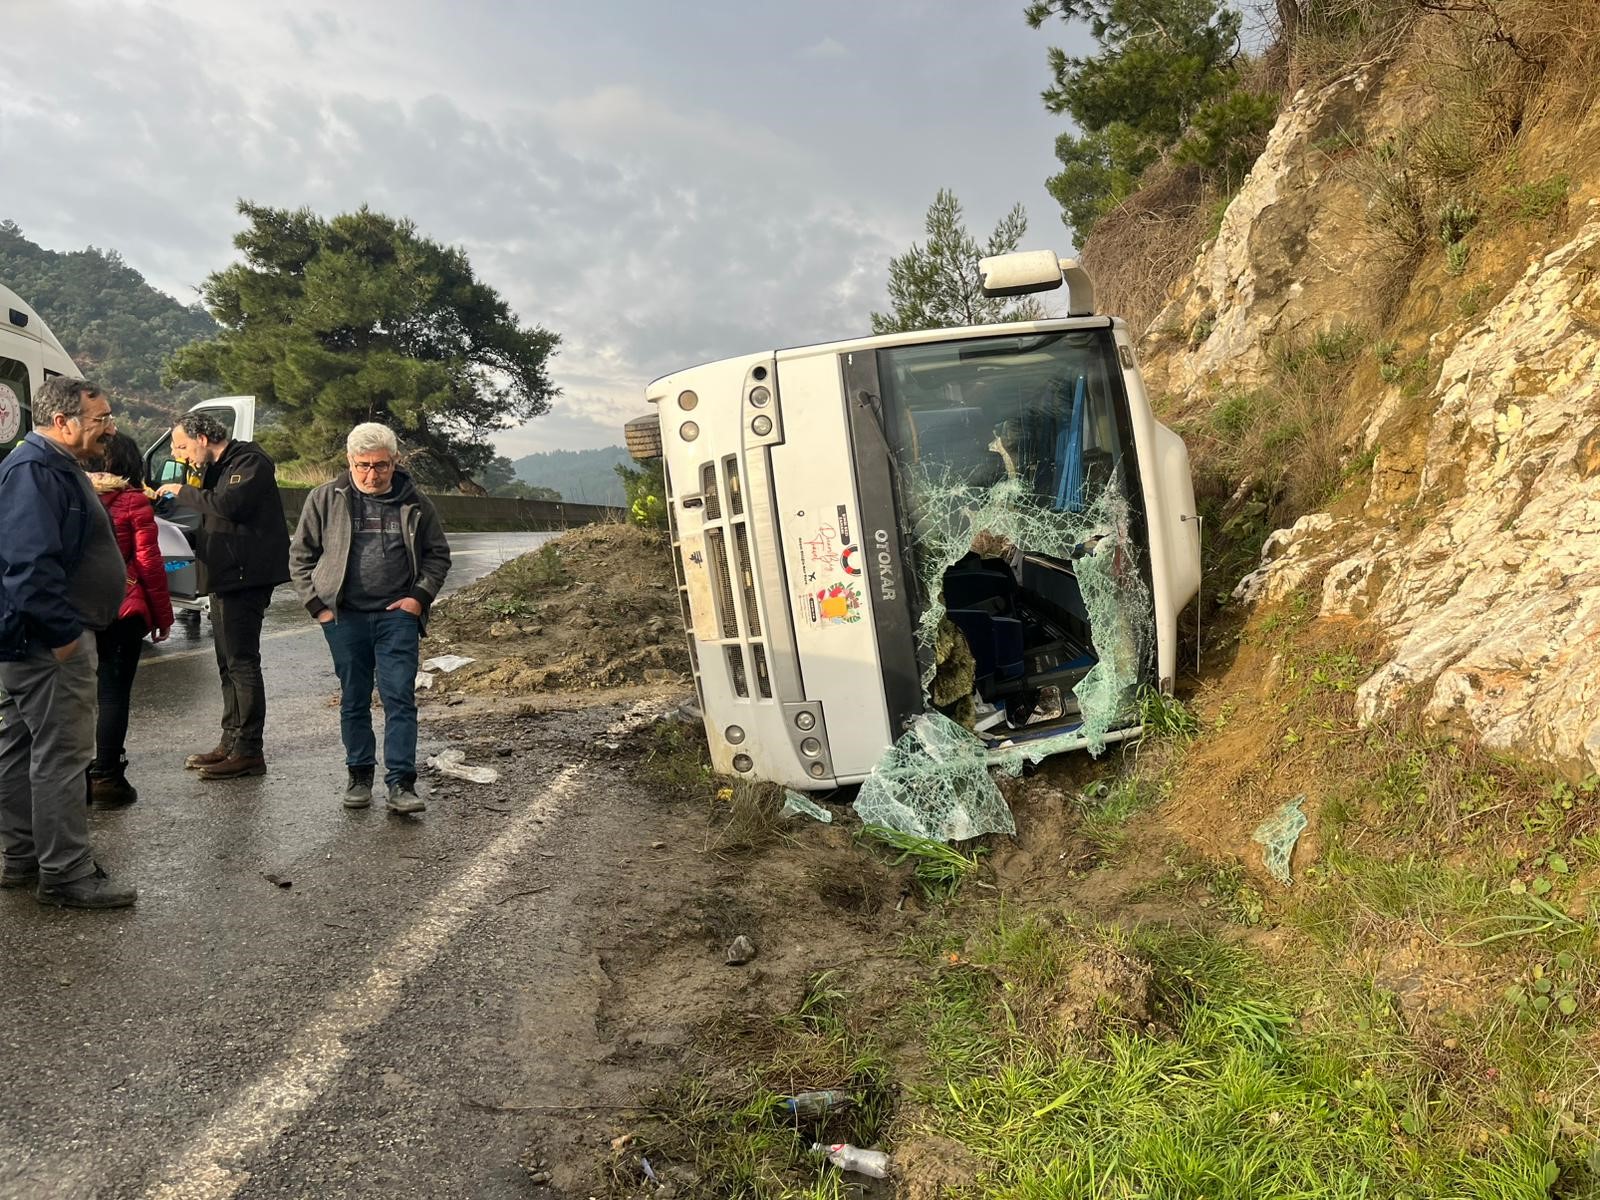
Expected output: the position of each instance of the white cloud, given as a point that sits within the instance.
(660, 188)
(827, 49)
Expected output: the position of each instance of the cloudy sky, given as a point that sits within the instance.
(660, 183)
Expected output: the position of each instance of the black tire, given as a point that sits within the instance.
(643, 435)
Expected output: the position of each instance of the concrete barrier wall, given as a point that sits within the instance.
(491, 513)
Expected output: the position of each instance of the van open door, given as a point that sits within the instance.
(176, 527)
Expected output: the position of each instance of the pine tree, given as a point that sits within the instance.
(937, 286)
(361, 318)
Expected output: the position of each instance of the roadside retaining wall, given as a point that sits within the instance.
(491, 513)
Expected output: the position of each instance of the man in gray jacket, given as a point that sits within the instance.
(368, 559)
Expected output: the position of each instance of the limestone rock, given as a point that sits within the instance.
(1293, 254)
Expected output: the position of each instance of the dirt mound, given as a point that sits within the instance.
(594, 608)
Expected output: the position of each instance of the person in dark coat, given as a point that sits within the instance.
(61, 578)
(242, 550)
(146, 610)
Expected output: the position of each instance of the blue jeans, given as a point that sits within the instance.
(384, 644)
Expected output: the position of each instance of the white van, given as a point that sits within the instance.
(29, 355)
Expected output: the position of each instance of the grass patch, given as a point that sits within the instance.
(675, 759)
(1470, 303)
(1226, 1091)
(749, 815)
(938, 869)
(516, 584)
(1105, 815)
(1538, 201)
(1165, 717)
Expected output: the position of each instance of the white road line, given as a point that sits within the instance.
(175, 655)
(314, 1058)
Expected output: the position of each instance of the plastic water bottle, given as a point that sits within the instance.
(814, 1106)
(872, 1163)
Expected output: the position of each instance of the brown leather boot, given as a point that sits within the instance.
(209, 759)
(236, 766)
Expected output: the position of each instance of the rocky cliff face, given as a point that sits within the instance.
(1293, 252)
(1475, 551)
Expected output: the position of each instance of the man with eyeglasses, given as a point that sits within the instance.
(368, 559)
(242, 550)
(62, 577)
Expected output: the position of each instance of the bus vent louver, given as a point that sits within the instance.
(741, 543)
(683, 589)
(708, 490)
(730, 564)
(735, 492)
(763, 677)
(722, 584)
(741, 684)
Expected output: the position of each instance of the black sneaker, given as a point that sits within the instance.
(111, 789)
(92, 891)
(403, 796)
(358, 792)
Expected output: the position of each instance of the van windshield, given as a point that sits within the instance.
(1046, 410)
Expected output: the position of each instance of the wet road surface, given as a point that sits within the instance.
(230, 1036)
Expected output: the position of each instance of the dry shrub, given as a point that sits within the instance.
(1331, 37)
(1563, 36)
(753, 819)
(1141, 249)
(1266, 456)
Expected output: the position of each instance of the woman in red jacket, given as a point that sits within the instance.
(147, 609)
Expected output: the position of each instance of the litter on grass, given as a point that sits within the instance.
(1277, 836)
(796, 805)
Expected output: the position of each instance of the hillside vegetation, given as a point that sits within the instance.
(582, 476)
(118, 329)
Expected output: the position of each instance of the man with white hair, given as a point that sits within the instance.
(368, 559)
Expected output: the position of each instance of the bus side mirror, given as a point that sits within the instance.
(1029, 271)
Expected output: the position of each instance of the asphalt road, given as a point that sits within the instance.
(230, 1036)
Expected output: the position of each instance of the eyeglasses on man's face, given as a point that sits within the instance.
(372, 468)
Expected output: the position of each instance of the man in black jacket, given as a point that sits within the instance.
(242, 550)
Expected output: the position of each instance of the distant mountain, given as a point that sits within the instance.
(584, 476)
(118, 329)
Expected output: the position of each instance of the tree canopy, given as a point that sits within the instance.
(331, 322)
(584, 476)
(936, 286)
(1165, 75)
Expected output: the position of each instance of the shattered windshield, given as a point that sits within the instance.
(1017, 478)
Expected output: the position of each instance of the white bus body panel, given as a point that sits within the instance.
(825, 558)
